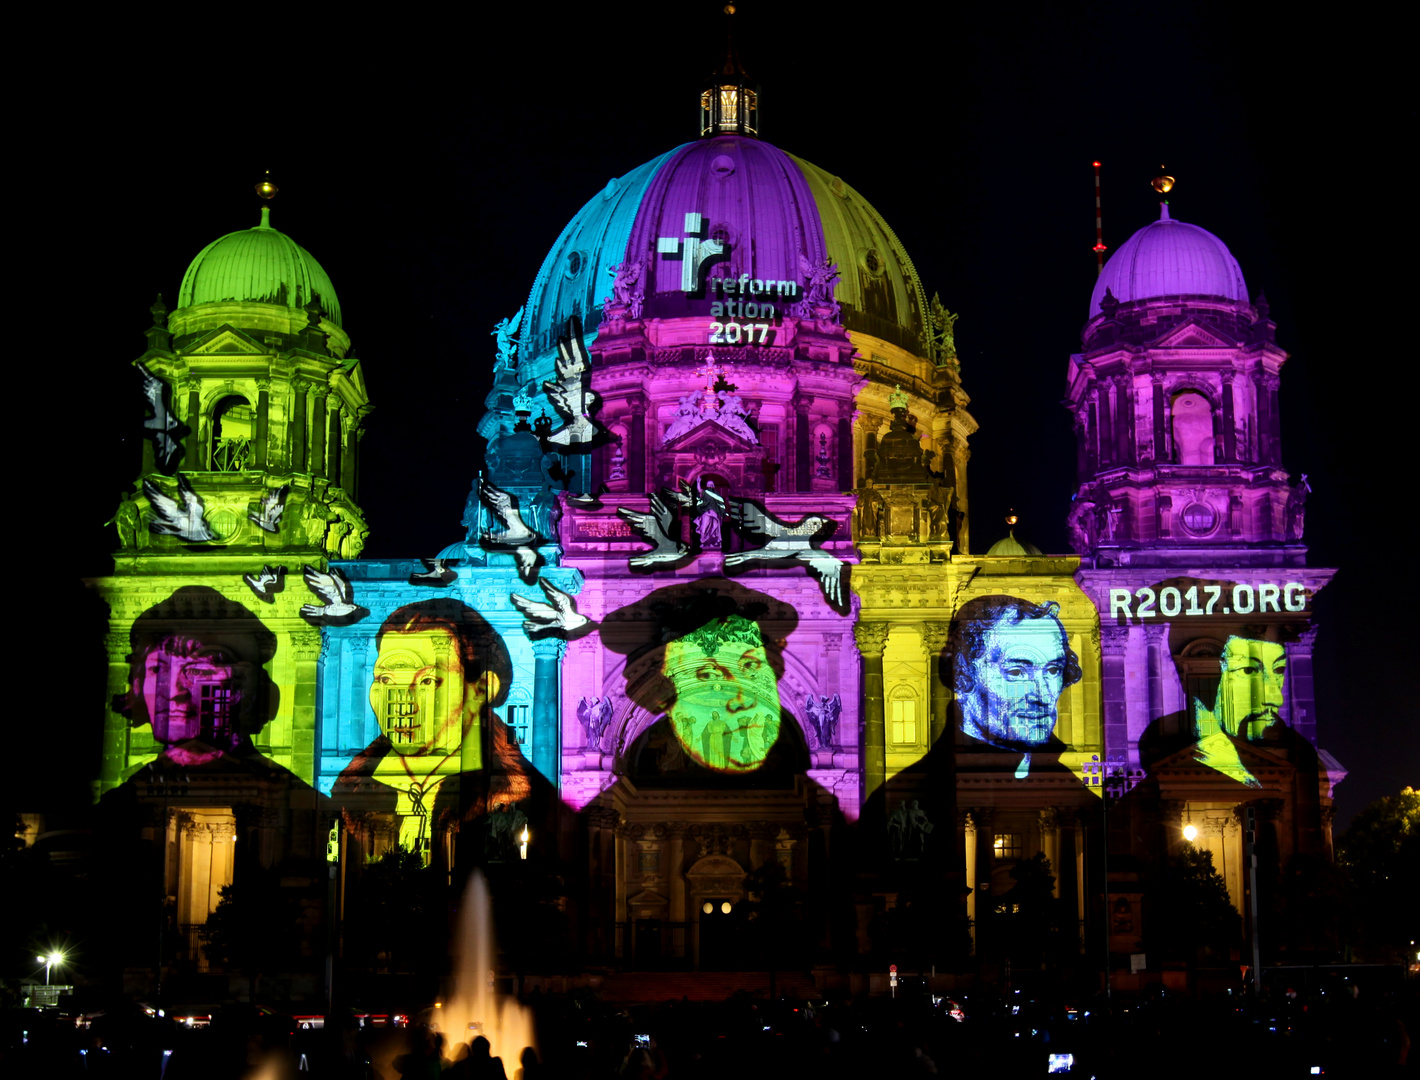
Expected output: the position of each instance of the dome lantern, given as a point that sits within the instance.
(729, 105)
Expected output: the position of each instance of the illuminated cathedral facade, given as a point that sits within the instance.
(716, 625)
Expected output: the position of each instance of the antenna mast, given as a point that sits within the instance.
(1099, 226)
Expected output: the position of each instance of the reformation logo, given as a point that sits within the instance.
(735, 299)
(694, 251)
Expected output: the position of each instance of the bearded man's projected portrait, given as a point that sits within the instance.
(726, 711)
(1011, 662)
(1252, 676)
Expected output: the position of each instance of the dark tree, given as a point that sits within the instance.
(255, 929)
(1380, 853)
(1193, 915)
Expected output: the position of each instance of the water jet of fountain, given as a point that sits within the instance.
(477, 1008)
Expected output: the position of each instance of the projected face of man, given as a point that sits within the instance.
(188, 685)
(726, 712)
(419, 693)
(1016, 683)
(1251, 690)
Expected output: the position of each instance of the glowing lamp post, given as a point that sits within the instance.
(49, 962)
(1190, 832)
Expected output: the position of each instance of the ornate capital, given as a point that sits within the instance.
(1049, 820)
(549, 648)
(1156, 633)
(1113, 640)
(871, 637)
(934, 637)
(833, 641)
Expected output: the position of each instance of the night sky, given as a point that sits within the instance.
(429, 165)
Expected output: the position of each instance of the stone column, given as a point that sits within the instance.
(803, 436)
(296, 428)
(622, 869)
(316, 464)
(1082, 446)
(1160, 453)
(333, 419)
(114, 755)
(636, 453)
(263, 422)
(968, 822)
(1113, 642)
(546, 739)
(760, 843)
(347, 451)
(1050, 844)
(1123, 419)
(675, 878)
(196, 455)
(845, 445)
(1230, 431)
(985, 818)
(934, 638)
(1156, 637)
(1106, 424)
(305, 645)
(1270, 385)
(871, 638)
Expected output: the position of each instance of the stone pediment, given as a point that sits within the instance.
(648, 898)
(1195, 335)
(226, 340)
(709, 434)
(1233, 758)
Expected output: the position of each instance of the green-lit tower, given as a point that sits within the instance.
(255, 408)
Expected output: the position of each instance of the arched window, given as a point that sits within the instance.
(519, 716)
(233, 431)
(1192, 429)
(904, 719)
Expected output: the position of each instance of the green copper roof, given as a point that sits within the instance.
(260, 265)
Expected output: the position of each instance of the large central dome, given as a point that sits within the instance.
(772, 210)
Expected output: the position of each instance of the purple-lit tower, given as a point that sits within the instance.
(1189, 532)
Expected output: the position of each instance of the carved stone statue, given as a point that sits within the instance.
(940, 335)
(506, 332)
(1083, 523)
(819, 280)
(1297, 508)
(908, 828)
(627, 287)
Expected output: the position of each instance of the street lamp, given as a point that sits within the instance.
(48, 962)
(1190, 832)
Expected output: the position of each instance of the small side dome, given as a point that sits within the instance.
(1170, 258)
(1010, 547)
(260, 265)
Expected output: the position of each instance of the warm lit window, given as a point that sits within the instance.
(902, 717)
(1006, 845)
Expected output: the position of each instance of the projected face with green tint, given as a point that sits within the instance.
(1250, 692)
(726, 712)
(419, 693)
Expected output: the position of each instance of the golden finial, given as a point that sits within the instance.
(265, 188)
(729, 9)
(1163, 183)
(1011, 520)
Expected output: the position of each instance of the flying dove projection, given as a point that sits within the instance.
(571, 394)
(654, 527)
(558, 615)
(163, 426)
(437, 572)
(514, 533)
(180, 517)
(273, 504)
(267, 583)
(787, 541)
(338, 607)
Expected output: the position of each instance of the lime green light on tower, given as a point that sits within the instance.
(255, 405)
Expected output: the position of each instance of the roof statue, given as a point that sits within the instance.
(819, 279)
(506, 332)
(939, 339)
(628, 287)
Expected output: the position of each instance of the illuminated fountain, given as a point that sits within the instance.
(476, 1008)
